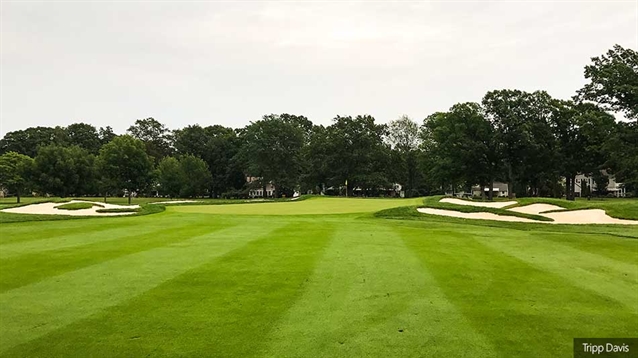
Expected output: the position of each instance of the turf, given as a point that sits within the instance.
(287, 280)
(77, 206)
(311, 206)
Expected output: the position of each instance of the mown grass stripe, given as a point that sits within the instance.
(38, 230)
(370, 297)
(29, 268)
(222, 308)
(86, 238)
(34, 310)
(512, 303)
(624, 250)
(607, 277)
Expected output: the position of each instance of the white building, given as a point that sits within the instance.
(583, 181)
(257, 190)
(500, 190)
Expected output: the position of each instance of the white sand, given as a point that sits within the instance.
(496, 204)
(176, 202)
(50, 209)
(536, 208)
(479, 216)
(587, 216)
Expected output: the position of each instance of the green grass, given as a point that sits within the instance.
(310, 206)
(323, 277)
(77, 206)
(118, 210)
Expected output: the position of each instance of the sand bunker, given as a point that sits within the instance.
(50, 209)
(496, 204)
(480, 216)
(536, 209)
(586, 216)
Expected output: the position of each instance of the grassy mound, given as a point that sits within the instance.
(77, 206)
(433, 202)
(118, 210)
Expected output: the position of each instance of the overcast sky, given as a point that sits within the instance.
(109, 63)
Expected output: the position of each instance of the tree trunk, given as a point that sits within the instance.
(129, 197)
(510, 182)
(567, 187)
(483, 192)
(491, 192)
(573, 187)
(18, 196)
(104, 197)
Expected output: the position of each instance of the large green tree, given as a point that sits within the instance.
(106, 134)
(582, 132)
(403, 137)
(315, 171)
(15, 173)
(196, 176)
(29, 140)
(358, 154)
(125, 164)
(622, 147)
(156, 137)
(272, 151)
(613, 81)
(64, 171)
(464, 146)
(218, 147)
(84, 136)
(527, 146)
(170, 177)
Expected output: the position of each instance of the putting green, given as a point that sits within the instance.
(185, 283)
(312, 206)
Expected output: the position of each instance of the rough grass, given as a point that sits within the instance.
(118, 210)
(77, 206)
(197, 284)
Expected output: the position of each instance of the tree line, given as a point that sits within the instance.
(535, 143)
